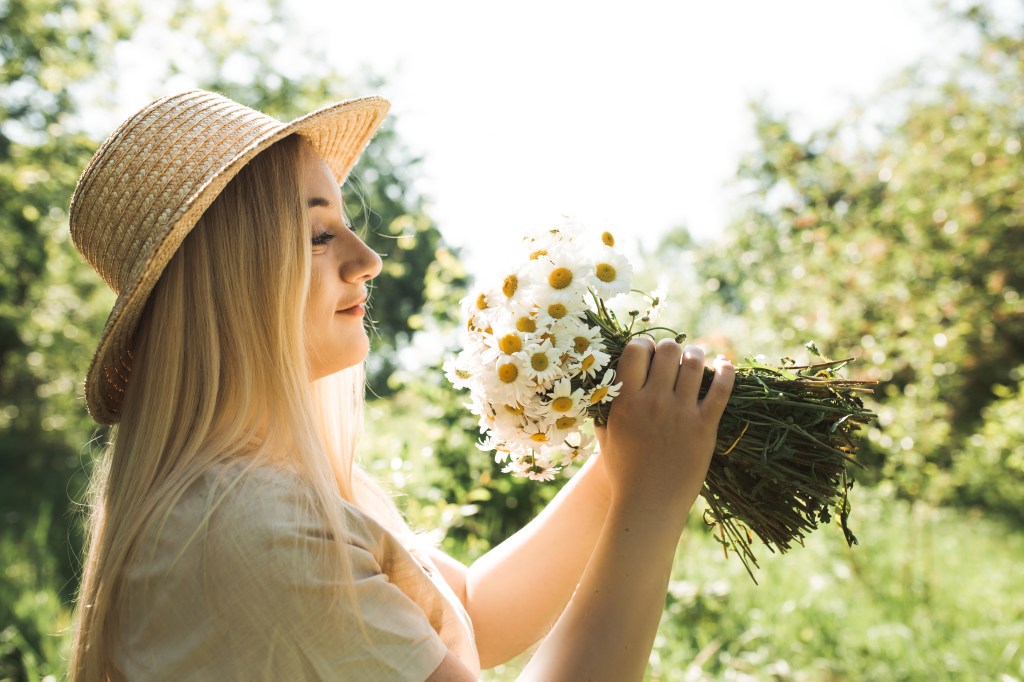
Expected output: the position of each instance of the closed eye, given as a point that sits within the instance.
(322, 238)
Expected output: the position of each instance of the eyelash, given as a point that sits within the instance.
(324, 237)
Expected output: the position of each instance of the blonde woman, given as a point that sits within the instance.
(232, 534)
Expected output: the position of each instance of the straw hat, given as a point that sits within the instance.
(153, 178)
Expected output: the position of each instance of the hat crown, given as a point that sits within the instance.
(148, 174)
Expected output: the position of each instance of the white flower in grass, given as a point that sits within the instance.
(605, 390)
(611, 273)
(543, 363)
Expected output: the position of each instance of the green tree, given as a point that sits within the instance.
(61, 61)
(894, 236)
(51, 306)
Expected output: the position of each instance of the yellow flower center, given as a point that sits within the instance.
(539, 362)
(548, 336)
(557, 310)
(526, 324)
(514, 409)
(599, 395)
(607, 239)
(510, 285)
(539, 437)
(537, 254)
(481, 302)
(508, 373)
(605, 272)
(581, 343)
(588, 362)
(560, 278)
(562, 404)
(565, 422)
(510, 343)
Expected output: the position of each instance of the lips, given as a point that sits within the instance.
(355, 308)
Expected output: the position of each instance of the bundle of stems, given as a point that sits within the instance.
(785, 444)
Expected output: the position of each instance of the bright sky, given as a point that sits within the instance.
(631, 119)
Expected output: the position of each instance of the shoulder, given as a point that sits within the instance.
(275, 512)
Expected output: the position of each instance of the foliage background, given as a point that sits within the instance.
(894, 236)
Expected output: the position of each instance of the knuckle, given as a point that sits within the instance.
(667, 344)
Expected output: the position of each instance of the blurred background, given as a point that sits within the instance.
(788, 172)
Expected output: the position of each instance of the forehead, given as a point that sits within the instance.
(317, 177)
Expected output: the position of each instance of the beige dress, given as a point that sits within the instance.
(249, 596)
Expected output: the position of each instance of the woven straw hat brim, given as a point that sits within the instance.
(151, 181)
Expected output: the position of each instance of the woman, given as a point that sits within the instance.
(232, 536)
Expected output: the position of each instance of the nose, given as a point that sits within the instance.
(362, 264)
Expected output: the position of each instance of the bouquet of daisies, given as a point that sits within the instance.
(539, 357)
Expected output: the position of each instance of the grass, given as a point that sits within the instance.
(930, 594)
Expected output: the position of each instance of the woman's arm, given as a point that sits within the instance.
(515, 592)
(658, 445)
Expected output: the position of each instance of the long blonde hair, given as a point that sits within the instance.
(220, 374)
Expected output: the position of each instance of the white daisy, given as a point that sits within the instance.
(460, 370)
(561, 272)
(505, 341)
(584, 339)
(543, 363)
(611, 273)
(513, 285)
(506, 379)
(563, 401)
(592, 361)
(552, 238)
(605, 390)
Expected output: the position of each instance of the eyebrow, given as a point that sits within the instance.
(317, 202)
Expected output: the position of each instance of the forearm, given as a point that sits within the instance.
(608, 628)
(515, 593)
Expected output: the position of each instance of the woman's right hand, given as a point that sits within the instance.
(660, 437)
(656, 448)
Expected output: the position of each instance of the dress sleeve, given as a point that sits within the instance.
(291, 610)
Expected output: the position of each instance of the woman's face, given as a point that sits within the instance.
(342, 264)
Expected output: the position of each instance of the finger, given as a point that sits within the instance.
(691, 372)
(665, 365)
(717, 397)
(634, 364)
